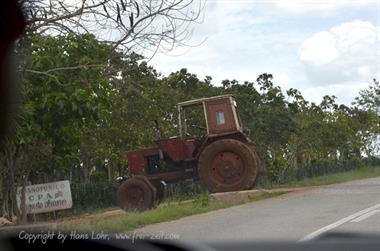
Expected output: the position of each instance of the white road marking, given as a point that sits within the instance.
(365, 216)
(338, 223)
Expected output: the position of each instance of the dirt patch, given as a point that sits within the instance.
(240, 197)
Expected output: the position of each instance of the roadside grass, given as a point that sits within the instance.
(328, 179)
(87, 213)
(166, 211)
(175, 208)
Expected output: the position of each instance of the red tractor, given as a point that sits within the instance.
(221, 155)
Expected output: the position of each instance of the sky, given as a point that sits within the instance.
(316, 46)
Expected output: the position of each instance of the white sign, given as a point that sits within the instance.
(46, 197)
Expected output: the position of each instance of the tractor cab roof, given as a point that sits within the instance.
(202, 100)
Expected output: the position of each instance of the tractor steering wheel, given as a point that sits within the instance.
(201, 130)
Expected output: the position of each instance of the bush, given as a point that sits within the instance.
(185, 190)
(317, 168)
(93, 196)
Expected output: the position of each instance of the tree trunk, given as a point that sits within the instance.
(109, 172)
(13, 189)
(5, 207)
(14, 209)
(24, 219)
(86, 171)
(71, 175)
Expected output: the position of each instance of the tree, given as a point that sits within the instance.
(368, 106)
(369, 99)
(133, 25)
(56, 106)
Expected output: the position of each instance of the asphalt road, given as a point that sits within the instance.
(352, 206)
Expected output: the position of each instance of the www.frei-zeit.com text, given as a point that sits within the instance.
(45, 236)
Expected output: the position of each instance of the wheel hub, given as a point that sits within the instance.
(134, 196)
(227, 167)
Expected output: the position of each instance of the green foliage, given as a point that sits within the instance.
(360, 172)
(83, 105)
(90, 196)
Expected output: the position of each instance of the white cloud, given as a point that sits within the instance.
(321, 7)
(246, 38)
(325, 42)
(345, 93)
(346, 54)
(237, 45)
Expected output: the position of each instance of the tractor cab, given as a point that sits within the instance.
(201, 120)
(215, 115)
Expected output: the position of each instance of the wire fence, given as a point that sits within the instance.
(89, 197)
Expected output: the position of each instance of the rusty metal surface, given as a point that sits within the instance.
(230, 135)
(224, 106)
(169, 177)
(173, 147)
(189, 148)
(240, 136)
(227, 165)
(137, 162)
(135, 194)
(149, 184)
(177, 149)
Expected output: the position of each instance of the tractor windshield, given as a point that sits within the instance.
(192, 119)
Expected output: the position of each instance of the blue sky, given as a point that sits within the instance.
(319, 47)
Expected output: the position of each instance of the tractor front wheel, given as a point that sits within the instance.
(227, 165)
(135, 195)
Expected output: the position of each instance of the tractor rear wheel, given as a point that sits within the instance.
(135, 195)
(227, 165)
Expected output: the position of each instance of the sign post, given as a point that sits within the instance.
(48, 197)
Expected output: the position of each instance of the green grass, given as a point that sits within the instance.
(87, 212)
(164, 212)
(361, 173)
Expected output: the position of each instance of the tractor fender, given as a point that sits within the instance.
(235, 135)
